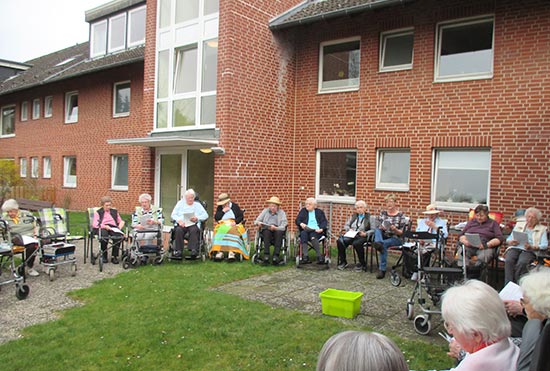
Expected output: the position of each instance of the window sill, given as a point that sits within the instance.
(438, 80)
(119, 189)
(338, 90)
(395, 68)
(118, 115)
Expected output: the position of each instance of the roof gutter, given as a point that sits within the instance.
(338, 13)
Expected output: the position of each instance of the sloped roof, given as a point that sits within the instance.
(311, 11)
(67, 63)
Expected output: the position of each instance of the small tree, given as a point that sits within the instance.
(9, 177)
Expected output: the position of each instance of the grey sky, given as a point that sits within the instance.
(31, 28)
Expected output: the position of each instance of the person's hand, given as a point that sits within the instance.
(303, 225)
(272, 227)
(454, 349)
(107, 227)
(463, 240)
(528, 246)
(362, 234)
(513, 307)
(513, 243)
(181, 223)
(393, 228)
(226, 208)
(319, 230)
(139, 227)
(194, 219)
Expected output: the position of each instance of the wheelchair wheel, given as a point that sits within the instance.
(255, 259)
(422, 324)
(51, 274)
(125, 263)
(93, 259)
(21, 292)
(158, 260)
(100, 262)
(395, 279)
(73, 269)
(410, 309)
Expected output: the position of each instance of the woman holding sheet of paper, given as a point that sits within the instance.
(528, 237)
(108, 225)
(147, 217)
(188, 214)
(354, 233)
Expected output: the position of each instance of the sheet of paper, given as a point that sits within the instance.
(187, 219)
(350, 234)
(387, 224)
(144, 219)
(511, 291)
(473, 239)
(27, 240)
(521, 237)
(116, 230)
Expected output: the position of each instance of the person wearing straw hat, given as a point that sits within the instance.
(229, 234)
(272, 222)
(432, 222)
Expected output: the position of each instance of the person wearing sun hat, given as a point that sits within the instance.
(432, 222)
(229, 234)
(272, 222)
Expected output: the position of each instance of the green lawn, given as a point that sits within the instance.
(168, 318)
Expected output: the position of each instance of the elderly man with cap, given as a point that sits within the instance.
(228, 233)
(272, 223)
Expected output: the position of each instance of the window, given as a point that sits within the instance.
(208, 83)
(98, 42)
(335, 175)
(185, 79)
(48, 106)
(211, 6)
(23, 167)
(396, 50)
(464, 50)
(119, 176)
(121, 95)
(71, 107)
(34, 167)
(136, 26)
(461, 178)
(186, 10)
(36, 109)
(69, 171)
(117, 33)
(24, 111)
(339, 66)
(392, 170)
(8, 121)
(46, 167)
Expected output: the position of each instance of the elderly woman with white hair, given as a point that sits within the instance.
(475, 315)
(354, 233)
(526, 240)
(535, 343)
(147, 217)
(312, 224)
(358, 350)
(188, 215)
(23, 228)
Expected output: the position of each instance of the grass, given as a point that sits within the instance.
(170, 317)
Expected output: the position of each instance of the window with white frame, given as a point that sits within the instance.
(336, 173)
(464, 49)
(69, 171)
(8, 121)
(211, 6)
(208, 84)
(119, 176)
(339, 65)
(98, 39)
(461, 178)
(71, 107)
(117, 33)
(34, 167)
(186, 10)
(121, 97)
(393, 168)
(47, 167)
(396, 50)
(35, 108)
(136, 26)
(48, 106)
(24, 111)
(23, 167)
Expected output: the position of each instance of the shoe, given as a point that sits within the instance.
(194, 255)
(33, 272)
(219, 256)
(265, 259)
(321, 261)
(380, 275)
(414, 276)
(176, 253)
(114, 260)
(342, 266)
(378, 246)
(231, 256)
(275, 260)
(305, 260)
(359, 268)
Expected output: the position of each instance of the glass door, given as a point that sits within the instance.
(169, 184)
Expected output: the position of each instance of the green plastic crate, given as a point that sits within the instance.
(339, 303)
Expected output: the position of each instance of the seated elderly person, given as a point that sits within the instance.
(312, 224)
(536, 333)
(489, 233)
(229, 233)
(23, 229)
(358, 350)
(475, 315)
(147, 217)
(188, 214)
(355, 234)
(108, 225)
(392, 223)
(520, 253)
(272, 223)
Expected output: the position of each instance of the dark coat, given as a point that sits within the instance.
(239, 215)
(319, 216)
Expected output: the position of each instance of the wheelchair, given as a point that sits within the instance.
(259, 246)
(302, 251)
(204, 242)
(140, 253)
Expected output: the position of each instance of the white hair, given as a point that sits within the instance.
(359, 350)
(536, 286)
(190, 191)
(536, 212)
(312, 200)
(9, 205)
(145, 197)
(475, 306)
(361, 203)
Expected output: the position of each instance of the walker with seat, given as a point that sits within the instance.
(16, 273)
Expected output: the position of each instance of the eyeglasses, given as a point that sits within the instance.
(447, 326)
